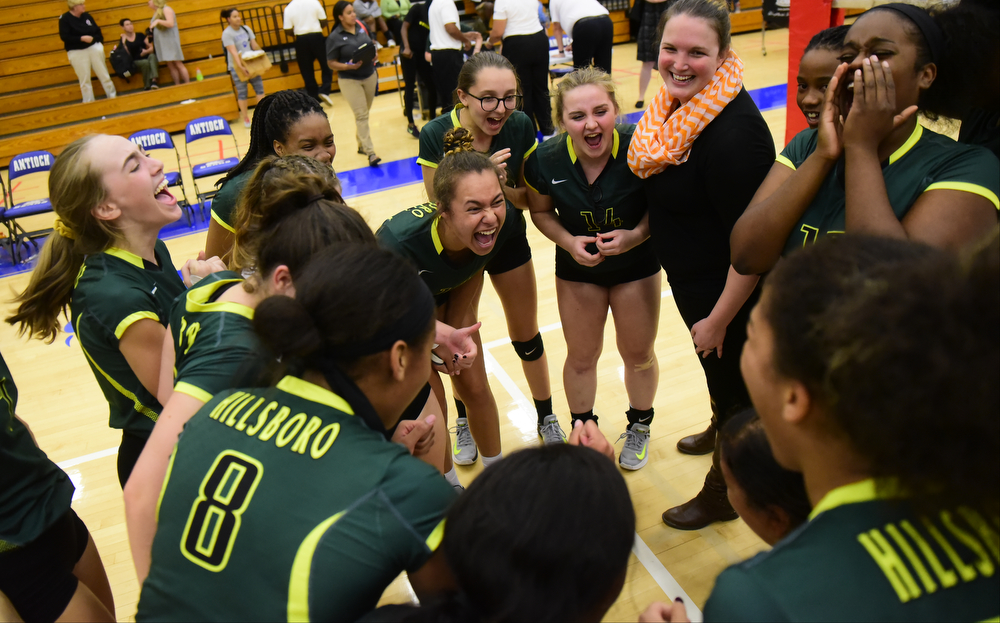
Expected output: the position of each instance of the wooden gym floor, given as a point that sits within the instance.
(64, 407)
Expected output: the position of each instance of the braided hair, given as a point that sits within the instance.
(460, 159)
(273, 118)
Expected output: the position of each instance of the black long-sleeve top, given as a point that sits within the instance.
(71, 28)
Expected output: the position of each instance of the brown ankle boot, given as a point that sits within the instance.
(701, 443)
(709, 506)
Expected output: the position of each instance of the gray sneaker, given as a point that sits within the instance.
(464, 452)
(635, 454)
(550, 431)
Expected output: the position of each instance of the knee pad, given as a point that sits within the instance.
(531, 350)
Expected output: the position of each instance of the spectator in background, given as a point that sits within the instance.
(415, 35)
(447, 43)
(371, 14)
(142, 52)
(357, 79)
(394, 12)
(84, 44)
(647, 43)
(306, 19)
(238, 39)
(526, 46)
(167, 39)
(589, 28)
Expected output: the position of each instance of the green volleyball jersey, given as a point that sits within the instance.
(517, 133)
(34, 492)
(926, 161)
(281, 504)
(224, 202)
(861, 558)
(413, 234)
(114, 290)
(616, 199)
(214, 342)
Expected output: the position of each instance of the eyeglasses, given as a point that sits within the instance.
(489, 104)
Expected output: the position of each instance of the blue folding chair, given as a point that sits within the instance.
(157, 140)
(197, 131)
(22, 165)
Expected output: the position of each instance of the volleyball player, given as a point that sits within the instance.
(105, 262)
(210, 345)
(49, 565)
(818, 64)
(873, 364)
(488, 95)
(877, 172)
(312, 513)
(284, 123)
(584, 197)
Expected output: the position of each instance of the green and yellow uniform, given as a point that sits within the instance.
(34, 492)
(413, 234)
(280, 503)
(224, 202)
(215, 347)
(926, 161)
(114, 290)
(869, 559)
(616, 200)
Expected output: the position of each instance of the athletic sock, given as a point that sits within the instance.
(460, 408)
(638, 416)
(583, 417)
(452, 477)
(490, 460)
(544, 408)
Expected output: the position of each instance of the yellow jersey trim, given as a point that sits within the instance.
(197, 300)
(298, 583)
(614, 146)
(195, 392)
(166, 479)
(785, 161)
(569, 147)
(908, 145)
(854, 493)
(128, 256)
(572, 150)
(314, 393)
(528, 184)
(534, 146)
(434, 539)
(975, 189)
(141, 408)
(131, 319)
(436, 236)
(218, 219)
(427, 163)
(455, 123)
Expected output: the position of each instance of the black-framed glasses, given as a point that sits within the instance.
(490, 103)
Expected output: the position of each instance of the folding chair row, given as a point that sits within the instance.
(32, 166)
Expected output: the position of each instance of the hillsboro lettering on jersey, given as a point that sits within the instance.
(32, 162)
(204, 127)
(150, 140)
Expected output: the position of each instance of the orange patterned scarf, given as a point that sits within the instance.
(662, 139)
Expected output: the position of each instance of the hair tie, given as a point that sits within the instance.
(315, 198)
(925, 24)
(60, 227)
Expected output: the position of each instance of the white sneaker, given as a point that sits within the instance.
(326, 98)
(464, 451)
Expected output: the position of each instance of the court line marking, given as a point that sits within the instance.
(642, 552)
(86, 458)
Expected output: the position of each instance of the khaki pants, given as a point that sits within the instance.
(85, 60)
(359, 95)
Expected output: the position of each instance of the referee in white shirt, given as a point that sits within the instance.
(526, 46)
(589, 27)
(307, 19)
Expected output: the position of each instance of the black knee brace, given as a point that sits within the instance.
(530, 350)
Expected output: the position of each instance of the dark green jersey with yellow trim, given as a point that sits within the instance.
(413, 234)
(215, 347)
(281, 504)
(860, 558)
(34, 492)
(616, 199)
(517, 133)
(224, 202)
(114, 290)
(927, 161)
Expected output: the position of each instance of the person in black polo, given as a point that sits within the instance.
(140, 48)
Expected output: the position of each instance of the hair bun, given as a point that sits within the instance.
(285, 327)
(457, 140)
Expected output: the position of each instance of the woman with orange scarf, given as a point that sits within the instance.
(703, 149)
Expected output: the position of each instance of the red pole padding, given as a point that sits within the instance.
(806, 18)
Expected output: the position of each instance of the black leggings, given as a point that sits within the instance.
(529, 54)
(725, 381)
(447, 65)
(128, 454)
(592, 39)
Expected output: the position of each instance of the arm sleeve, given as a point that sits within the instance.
(333, 46)
(64, 31)
(227, 37)
(99, 37)
(420, 498)
(744, 163)
(798, 149)
(250, 34)
(386, 238)
(319, 11)
(974, 170)
(224, 204)
(129, 304)
(534, 176)
(500, 9)
(737, 597)
(431, 149)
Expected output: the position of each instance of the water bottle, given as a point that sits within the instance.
(198, 75)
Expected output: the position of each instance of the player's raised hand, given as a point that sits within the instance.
(417, 436)
(194, 271)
